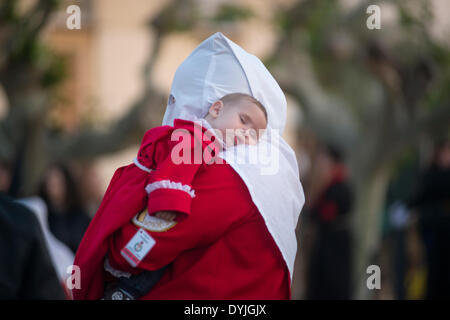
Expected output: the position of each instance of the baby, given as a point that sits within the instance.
(234, 119)
(239, 118)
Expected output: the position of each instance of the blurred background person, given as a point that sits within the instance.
(397, 226)
(61, 255)
(432, 201)
(27, 271)
(329, 271)
(67, 217)
(91, 187)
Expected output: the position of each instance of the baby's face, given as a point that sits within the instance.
(239, 123)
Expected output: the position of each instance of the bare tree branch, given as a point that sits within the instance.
(127, 131)
(38, 17)
(24, 29)
(142, 115)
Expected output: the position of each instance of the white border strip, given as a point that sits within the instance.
(167, 184)
(140, 166)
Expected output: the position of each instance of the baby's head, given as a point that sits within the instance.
(239, 113)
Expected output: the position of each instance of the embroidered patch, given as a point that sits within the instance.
(150, 223)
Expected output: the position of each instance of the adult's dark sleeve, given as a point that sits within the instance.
(432, 189)
(26, 270)
(335, 204)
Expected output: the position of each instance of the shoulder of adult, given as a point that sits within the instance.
(18, 218)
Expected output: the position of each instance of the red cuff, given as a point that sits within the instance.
(169, 200)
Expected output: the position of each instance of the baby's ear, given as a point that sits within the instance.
(216, 108)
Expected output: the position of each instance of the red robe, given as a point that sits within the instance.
(219, 247)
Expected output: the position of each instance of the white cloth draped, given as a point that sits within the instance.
(218, 67)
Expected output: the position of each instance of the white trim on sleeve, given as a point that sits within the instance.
(167, 184)
(140, 166)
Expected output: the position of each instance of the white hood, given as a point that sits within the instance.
(218, 67)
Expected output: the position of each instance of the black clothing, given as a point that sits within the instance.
(432, 199)
(26, 270)
(68, 226)
(134, 287)
(329, 271)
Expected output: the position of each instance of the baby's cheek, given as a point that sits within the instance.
(253, 141)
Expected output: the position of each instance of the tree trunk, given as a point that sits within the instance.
(370, 194)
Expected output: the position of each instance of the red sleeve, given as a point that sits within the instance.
(178, 159)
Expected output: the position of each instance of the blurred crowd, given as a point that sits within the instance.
(414, 255)
(417, 228)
